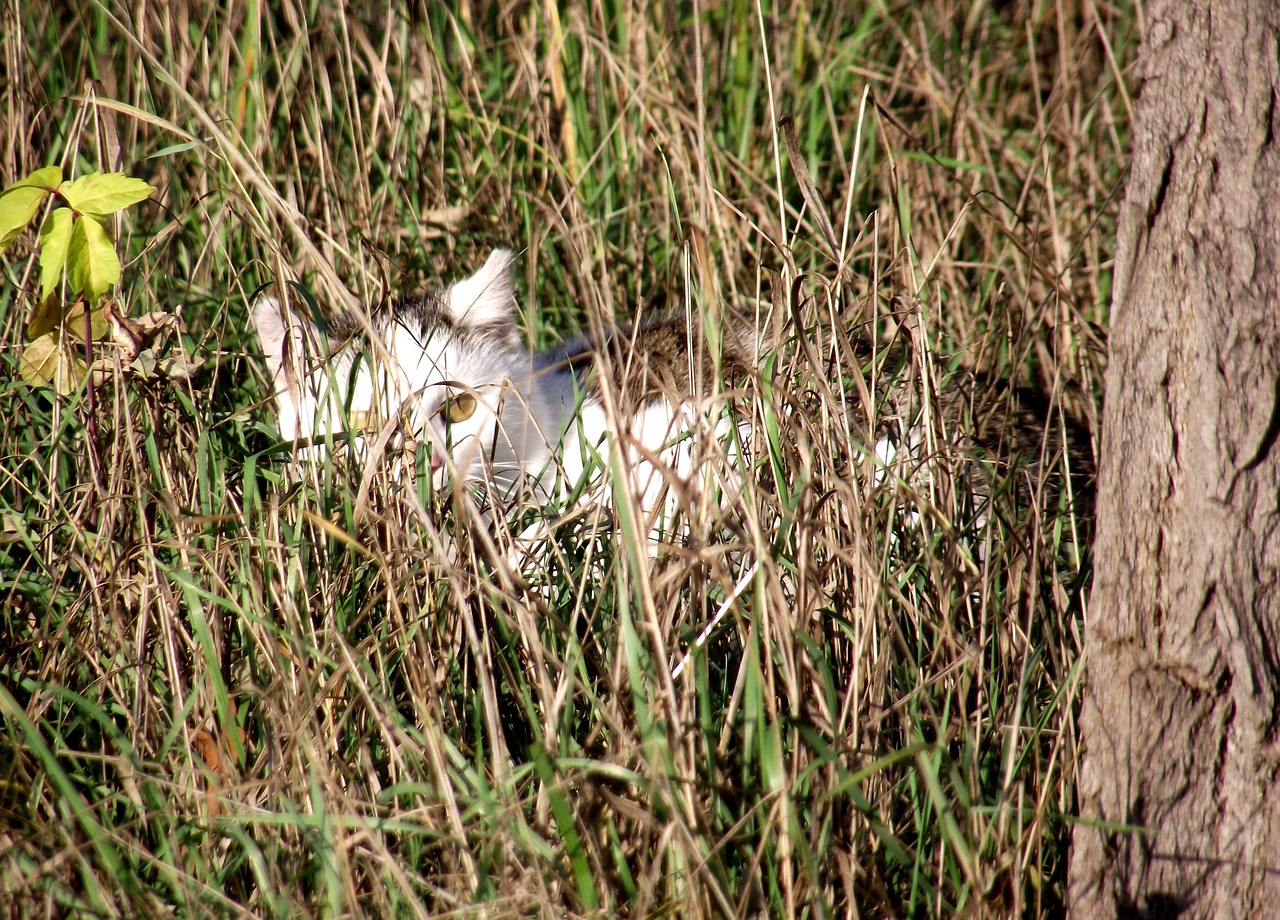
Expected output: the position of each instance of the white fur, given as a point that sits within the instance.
(488, 295)
(532, 423)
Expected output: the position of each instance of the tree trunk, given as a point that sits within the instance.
(1180, 717)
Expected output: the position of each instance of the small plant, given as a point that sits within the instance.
(75, 244)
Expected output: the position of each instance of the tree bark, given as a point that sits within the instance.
(1179, 716)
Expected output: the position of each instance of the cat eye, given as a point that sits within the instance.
(458, 407)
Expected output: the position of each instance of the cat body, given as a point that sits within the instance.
(451, 371)
(642, 408)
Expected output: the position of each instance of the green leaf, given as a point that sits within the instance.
(47, 178)
(46, 317)
(55, 239)
(104, 193)
(17, 207)
(173, 148)
(92, 263)
(45, 361)
(20, 201)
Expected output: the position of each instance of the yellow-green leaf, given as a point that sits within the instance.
(99, 328)
(39, 363)
(20, 201)
(48, 178)
(104, 193)
(46, 361)
(17, 207)
(55, 239)
(71, 371)
(46, 317)
(92, 263)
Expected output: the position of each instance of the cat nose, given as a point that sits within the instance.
(437, 460)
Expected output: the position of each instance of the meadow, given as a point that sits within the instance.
(228, 691)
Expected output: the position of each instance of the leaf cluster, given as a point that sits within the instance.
(75, 243)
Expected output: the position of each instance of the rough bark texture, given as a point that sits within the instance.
(1179, 714)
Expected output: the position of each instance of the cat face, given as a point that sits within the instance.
(449, 371)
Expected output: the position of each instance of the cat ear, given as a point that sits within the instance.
(487, 298)
(284, 337)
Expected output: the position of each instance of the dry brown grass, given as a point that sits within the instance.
(225, 693)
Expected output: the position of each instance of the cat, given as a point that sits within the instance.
(450, 371)
(646, 406)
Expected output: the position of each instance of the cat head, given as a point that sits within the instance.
(446, 370)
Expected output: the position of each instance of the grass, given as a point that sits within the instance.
(223, 692)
